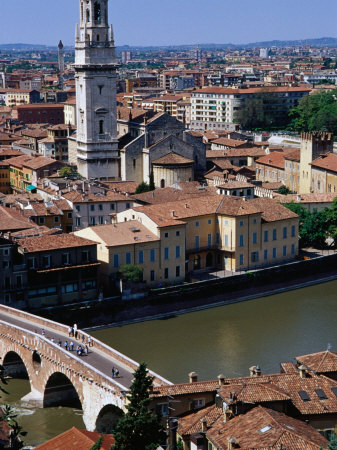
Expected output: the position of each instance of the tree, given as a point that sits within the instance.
(315, 112)
(142, 187)
(333, 442)
(131, 273)
(331, 214)
(140, 428)
(313, 227)
(98, 444)
(264, 110)
(284, 190)
(152, 186)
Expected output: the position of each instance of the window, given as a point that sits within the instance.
(197, 224)
(255, 221)
(5, 264)
(226, 240)
(274, 234)
(56, 219)
(197, 241)
(19, 281)
(127, 205)
(92, 221)
(166, 235)
(101, 127)
(101, 220)
(209, 240)
(162, 409)
(78, 222)
(293, 230)
(274, 253)
(100, 207)
(199, 403)
(209, 221)
(31, 262)
(255, 257)
(140, 257)
(78, 208)
(177, 271)
(152, 275)
(241, 260)
(69, 215)
(178, 233)
(85, 256)
(152, 255)
(284, 250)
(265, 234)
(116, 260)
(241, 241)
(254, 238)
(46, 261)
(128, 258)
(166, 273)
(293, 249)
(6, 252)
(92, 207)
(217, 238)
(265, 255)
(284, 232)
(65, 258)
(178, 251)
(241, 223)
(41, 220)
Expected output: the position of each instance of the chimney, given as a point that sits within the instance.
(303, 371)
(228, 414)
(173, 213)
(258, 371)
(193, 377)
(221, 379)
(255, 371)
(203, 425)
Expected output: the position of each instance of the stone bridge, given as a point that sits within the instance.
(62, 378)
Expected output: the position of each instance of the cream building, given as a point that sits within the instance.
(159, 251)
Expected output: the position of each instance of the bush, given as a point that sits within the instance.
(131, 273)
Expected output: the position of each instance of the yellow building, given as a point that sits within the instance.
(324, 174)
(5, 186)
(161, 254)
(292, 170)
(15, 97)
(226, 232)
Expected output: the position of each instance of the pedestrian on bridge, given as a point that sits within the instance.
(75, 330)
(116, 373)
(90, 343)
(86, 350)
(43, 332)
(70, 331)
(60, 343)
(66, 345)
(83, 339)
(113, 372)
(71, 346)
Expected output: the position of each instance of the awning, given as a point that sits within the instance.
(31, 188)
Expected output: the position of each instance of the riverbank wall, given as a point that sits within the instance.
(170, 301)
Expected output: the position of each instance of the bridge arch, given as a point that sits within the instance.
(107, 418)
(15, 366)
(60, 391)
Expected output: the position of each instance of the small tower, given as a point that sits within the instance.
(313, 145)
(61, 56)
(95, 76)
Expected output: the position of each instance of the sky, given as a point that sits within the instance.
(171, 22)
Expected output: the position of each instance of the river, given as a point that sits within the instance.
(227, 339)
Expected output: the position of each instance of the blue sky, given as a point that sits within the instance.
(162, 22)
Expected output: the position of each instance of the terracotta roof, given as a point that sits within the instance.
(229, 142)
(252, 393)
(124, 187)
(45, 243)
(12, 220)
(123, 233)
(186, 388)
(294, 155)
(191, 423)
(274, 159)
(77, 439)
(78, 197)
(242, 151)
(236, 185)
(264, 428)
(271, 210)
(326, 162)
(225, 164)
(273, 186)
(137, 115)
(220, 90)
(172, 159)
(321, 362)
(309, 198)
(32, 162)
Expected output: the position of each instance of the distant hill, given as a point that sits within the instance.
(320, 42)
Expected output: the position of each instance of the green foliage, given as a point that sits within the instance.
(333, 442)
(313, 226)
(142, 187)
(180, 445)
(98, 444)
(139, 428)
(284, 190)
(151, 184)
(69, 172)
(263, 111)
(315, 112)
(131, 273)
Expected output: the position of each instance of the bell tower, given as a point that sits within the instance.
(95, 75)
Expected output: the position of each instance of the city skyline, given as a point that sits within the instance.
(175, 23)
